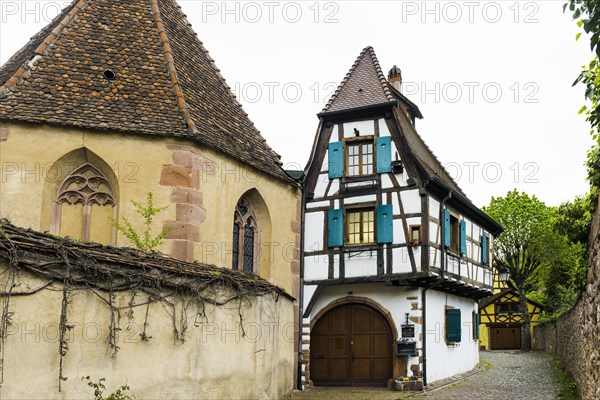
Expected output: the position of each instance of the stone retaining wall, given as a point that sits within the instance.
(575, 337)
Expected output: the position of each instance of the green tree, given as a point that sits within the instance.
(144, 241)
(573, 219)
(527, 244)
(587, 15)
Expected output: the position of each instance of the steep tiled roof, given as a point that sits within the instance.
(364, 85)
(165, 82)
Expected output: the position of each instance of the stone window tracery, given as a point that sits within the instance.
(85, 190)
(244, 237)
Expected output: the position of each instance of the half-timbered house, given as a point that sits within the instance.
(395, 256)
(501, 320)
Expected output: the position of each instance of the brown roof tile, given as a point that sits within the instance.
(364, 85)
(166, 84)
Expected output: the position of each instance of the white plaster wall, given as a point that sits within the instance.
(402, 260)
(398, 231)
(366, 128)
(315, 267)
(411, 200)
(314, 225)
(383, 128)
(360, 199)
(334, 188)
(335, 133)
(434, 234)
(321, 186)
(360, 264)
(316, 204)
(386, 182)
(434, 208)
(444, 360)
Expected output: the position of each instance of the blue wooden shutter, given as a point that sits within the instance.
(335, 157)
(335, 227)
(484, 254)
(384, 154)
(453, 331)
(463, 237)
(446, 228)
(385, 226)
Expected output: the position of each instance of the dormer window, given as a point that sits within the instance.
(359, 156)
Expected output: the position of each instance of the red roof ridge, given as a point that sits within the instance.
(171, 68)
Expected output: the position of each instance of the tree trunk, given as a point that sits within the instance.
(525, 327)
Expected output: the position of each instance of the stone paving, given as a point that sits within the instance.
(513, 376)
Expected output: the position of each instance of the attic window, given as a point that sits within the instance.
(109, 75)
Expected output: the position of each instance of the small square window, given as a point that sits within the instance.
(415, 234)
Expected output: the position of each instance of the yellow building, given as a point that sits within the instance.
(114, 100)
(501, 319)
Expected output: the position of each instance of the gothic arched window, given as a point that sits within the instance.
(244, 237)
(84, 205)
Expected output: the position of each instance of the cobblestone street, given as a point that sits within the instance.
(512, 376)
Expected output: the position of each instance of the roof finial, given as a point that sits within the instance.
(395, 78)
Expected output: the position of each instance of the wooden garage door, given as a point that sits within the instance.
(351, 345)
(505, 338)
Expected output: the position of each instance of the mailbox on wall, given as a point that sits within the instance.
(404, 348)
(408, 331)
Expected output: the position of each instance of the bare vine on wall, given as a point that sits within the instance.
(102, 269)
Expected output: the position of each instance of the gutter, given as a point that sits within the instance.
(301, 294)
(439, 281)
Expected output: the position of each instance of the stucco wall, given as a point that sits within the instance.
(575, 336)
(445, 360)
(211, 358)
(144, 164)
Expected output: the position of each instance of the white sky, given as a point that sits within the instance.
(492, 78)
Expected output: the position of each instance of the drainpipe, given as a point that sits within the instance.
(439, 281)
(301, 294)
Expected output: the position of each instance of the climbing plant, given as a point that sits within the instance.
(144, 240)
(99, 389)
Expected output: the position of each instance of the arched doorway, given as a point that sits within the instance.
(351, 345)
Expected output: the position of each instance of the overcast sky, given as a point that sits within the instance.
(492, 79)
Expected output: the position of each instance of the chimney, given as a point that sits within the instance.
(395, 78)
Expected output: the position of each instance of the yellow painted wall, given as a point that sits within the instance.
(484, 340)
(27, 156)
